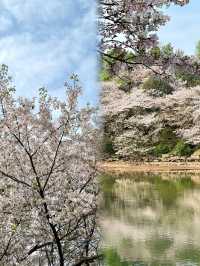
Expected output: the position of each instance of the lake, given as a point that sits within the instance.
(151, 219)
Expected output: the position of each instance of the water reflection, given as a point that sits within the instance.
(151, 220)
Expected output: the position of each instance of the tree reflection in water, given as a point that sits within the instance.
(151, 219)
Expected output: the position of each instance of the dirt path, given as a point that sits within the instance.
(121, 167)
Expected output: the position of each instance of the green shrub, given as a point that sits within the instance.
(105, 75)
(167, 140)
(156, 86)
(107, 146)
(182, 149)
(167, 50)
(161, 149)
(129, 57)
(191, 80)
(105, 70)
(155, 52)
(167, 136)
(124, 83)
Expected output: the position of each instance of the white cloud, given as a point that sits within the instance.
(34, 10)
(45, 55)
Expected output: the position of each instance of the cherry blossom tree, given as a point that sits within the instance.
(131, 25)
(131, 53)
(134, 120)
(48, 186)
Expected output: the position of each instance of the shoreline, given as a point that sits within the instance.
(128, 167)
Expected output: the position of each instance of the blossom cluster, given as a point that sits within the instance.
(134, 120)
(48, 185)
(132, 23)
(131, 26)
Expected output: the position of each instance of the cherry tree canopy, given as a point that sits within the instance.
(134, 120)
(48, 187)
(131, 25)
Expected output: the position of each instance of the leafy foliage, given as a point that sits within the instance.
(157, 87)
(182, 149)
(104, 74)
(168, 137)
(155, 52)
(124, 83)
(191, 80)
(167, 50)
(108, 145)
(161, 149)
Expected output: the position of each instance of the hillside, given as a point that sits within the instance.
(142, 122)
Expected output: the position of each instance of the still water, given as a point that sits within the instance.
(151, 220)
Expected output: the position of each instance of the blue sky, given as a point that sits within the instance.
(183, 30)
(43, 42)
